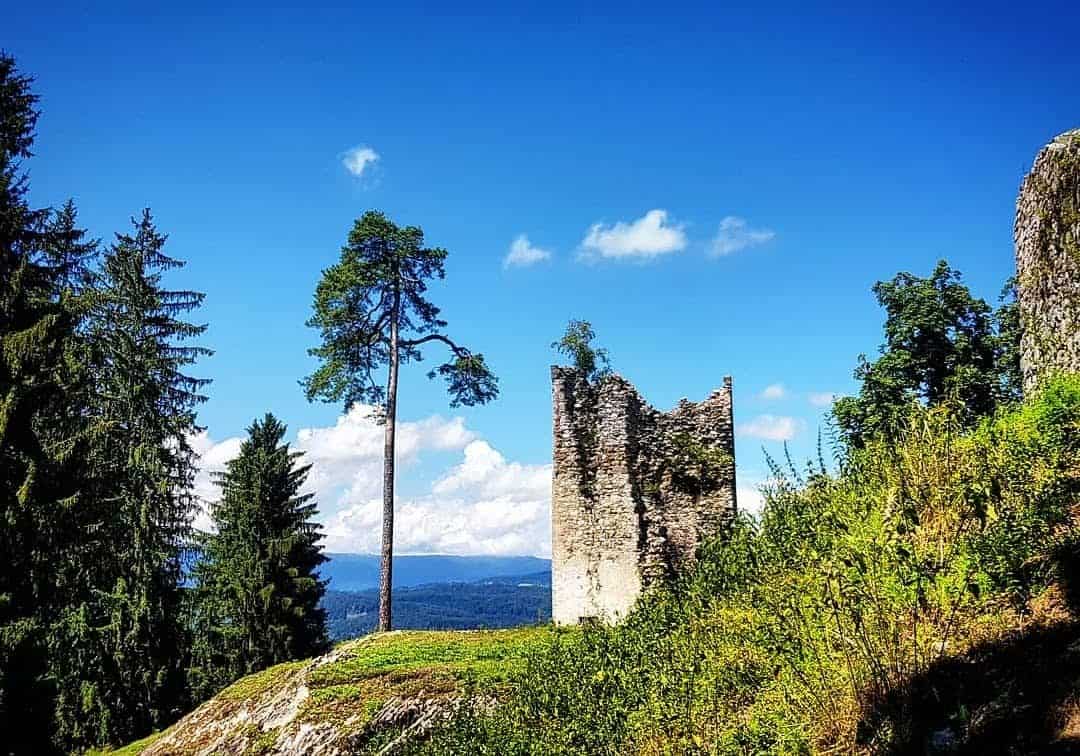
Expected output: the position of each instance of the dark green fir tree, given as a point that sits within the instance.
(145, 468)
(42, 435)
(258, 589)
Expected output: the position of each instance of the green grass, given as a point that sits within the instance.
(260, 682)
(131, 749)
(478, 656)
(418, 663)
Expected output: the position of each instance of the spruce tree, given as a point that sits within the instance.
(145, 467)
(258, 590)
(41, 433)
(81, 552)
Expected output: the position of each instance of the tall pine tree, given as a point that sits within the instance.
(146, 467)
(372, 311)
(258, 592)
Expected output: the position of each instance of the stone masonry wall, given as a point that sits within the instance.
(1047, 233)
(634, 490)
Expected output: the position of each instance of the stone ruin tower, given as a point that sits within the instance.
(1047, 233)
(634, 491)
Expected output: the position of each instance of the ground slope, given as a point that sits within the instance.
(365, 696)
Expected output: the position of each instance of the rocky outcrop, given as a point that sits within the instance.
(634, 490)
(371, 696)
(1047, 234)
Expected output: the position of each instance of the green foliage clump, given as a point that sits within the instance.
(798, 629)
(577, 344)
(941, 344)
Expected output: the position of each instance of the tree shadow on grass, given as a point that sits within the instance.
(1015, 695)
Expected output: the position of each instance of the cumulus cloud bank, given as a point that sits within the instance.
(646, 238)
(483, 504)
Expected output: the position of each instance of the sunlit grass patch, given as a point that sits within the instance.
(476, 656)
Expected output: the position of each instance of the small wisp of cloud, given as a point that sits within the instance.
(822, 398)
(359, 159)
(522, 254)
(646, 238)
(774, 391)
(770, 427)
(735, 234)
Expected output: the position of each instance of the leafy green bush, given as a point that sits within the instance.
(796, 624)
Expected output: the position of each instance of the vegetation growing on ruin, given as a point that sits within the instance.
(820, 626)
(699, 468)
(577, 344)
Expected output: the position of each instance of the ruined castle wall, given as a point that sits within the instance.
(1047, 234)
(634, 491)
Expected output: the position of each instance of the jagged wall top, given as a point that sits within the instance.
(1047, 234)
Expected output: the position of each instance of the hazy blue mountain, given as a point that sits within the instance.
(500, 601)
(358, 572)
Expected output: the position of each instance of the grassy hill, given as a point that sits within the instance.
(358, 698)
(921, 596)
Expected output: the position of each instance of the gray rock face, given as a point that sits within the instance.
(634, 491)
(1047, 234)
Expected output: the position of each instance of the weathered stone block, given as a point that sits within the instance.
(634, 490)
(1047, 234)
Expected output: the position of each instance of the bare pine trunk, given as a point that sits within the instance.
(386, 573)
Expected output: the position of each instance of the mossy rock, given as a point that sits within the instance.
(362, 695)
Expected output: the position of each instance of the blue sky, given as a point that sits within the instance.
(850, 141)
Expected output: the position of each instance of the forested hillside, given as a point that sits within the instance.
(497, 602)
(103, 636)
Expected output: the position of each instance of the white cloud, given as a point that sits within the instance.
(770, 427)
(749, 490)
(734, 234)
(484, 504)
(822, 399)
(357, 160)
(774, 391)
(523, 254)
(643, 239)
(749, 498)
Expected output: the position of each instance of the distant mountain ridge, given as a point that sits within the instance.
(360, 572)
